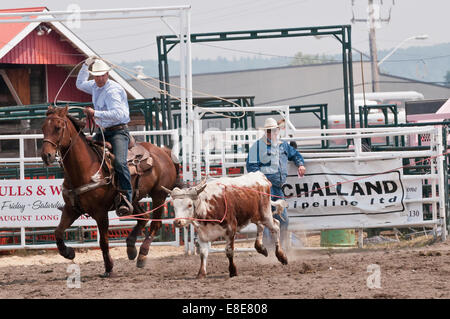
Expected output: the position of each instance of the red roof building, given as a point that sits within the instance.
(35, 60)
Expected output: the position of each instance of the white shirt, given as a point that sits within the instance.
(110, 101)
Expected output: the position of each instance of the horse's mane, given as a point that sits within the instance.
(78, 124)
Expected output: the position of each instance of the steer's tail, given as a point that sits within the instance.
(280, 205)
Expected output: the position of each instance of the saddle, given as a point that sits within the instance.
(138, 157)
(139, 160)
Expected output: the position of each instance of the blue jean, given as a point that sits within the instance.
(119, 141)
(267, 236)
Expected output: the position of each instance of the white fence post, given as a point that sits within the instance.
(440, 170)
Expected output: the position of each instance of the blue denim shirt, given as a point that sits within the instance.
(272, 161)
(110, 101)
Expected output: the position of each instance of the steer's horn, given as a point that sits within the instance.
(168, 191)
(200, 187)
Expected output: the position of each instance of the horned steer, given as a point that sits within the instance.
(222, 207)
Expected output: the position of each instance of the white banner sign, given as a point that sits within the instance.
(34, 203)
(351, 194)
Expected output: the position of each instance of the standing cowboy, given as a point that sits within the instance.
(270, 156)
(111, 114)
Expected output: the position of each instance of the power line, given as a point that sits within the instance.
(420, 59)
(83, 54)
(121, 26)
(309, 57)
(245, 51)
(339, 89)
(261, 7)
(118, 36)
(130, 50)
(319, 59)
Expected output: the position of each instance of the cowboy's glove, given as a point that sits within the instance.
(90, 60)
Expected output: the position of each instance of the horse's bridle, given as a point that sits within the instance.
(61, 136)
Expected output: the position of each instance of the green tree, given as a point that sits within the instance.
(304, 59)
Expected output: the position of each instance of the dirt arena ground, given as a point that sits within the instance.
(421, 270)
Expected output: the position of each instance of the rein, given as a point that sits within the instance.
(97, 182)
(91, 124)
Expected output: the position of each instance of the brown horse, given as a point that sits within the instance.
(63, 135)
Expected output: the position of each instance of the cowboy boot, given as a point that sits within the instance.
(125, 207)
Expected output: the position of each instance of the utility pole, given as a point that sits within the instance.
(373, 49)
(374, 21)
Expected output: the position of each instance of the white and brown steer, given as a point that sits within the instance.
(233, 203)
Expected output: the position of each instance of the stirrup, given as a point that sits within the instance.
(124, 208)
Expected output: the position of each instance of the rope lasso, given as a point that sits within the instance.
(263, 193)
(91, 120)
(64, 83)
(96, 175)
(157, 89)
(175, 218)
(207, 110)
(349, 181)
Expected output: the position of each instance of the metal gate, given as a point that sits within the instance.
(422, 167)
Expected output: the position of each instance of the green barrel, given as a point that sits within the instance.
(338, 238)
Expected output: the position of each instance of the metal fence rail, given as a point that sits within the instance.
(431, 174)
(23, 168)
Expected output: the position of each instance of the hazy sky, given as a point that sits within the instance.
(137, 37)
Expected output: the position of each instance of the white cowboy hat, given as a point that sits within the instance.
(269, 124)
(99, 67)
